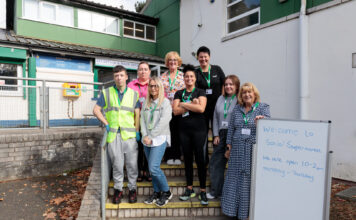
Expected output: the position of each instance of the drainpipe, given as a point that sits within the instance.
(304, 61)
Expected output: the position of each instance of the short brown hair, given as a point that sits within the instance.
(119, 68)
(249, 86)
(175, 55)
(143, 62)
(235, 80)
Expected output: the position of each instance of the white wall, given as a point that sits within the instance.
(270, 59)
(3, 14)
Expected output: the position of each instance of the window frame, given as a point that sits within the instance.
(20, 73)
(39, 13)
(134, 31)
(91, 23)
(228, 21)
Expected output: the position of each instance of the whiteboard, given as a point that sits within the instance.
(291, 174)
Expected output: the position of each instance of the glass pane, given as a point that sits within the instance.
(84, 19)
(242, 7)
(150, 33)
(65, 15)
(8, 70)
(111, 25)
(98, 22)
(128, 28)
(31, 9)
(2, 14)
(48, 12)
(243, 22)
(230, 1)
(139, 30)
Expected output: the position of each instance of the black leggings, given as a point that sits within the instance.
(193, 140)
(174, 152)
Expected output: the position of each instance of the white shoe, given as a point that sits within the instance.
(209, 196)
(170, 162)
(177, 162)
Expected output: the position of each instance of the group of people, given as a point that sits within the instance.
(168, 117)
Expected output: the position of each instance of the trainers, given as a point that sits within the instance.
(189, 193)
(210, 196)
(164, 199)
(170, 162)
(117, 196)
(177, 162)
(132, 196)
(203, 199)
(153, 198)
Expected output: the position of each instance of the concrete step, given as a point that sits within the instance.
(175, 208)
(177, 185)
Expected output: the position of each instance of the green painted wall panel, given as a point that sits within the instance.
(32, 92)
(83, 37)
(168, 11)
(12, 53)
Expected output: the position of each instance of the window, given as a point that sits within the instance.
(2, 14)
(98, 22)
(242, 14)
(48, 12)
(139, 30)
(13, 70)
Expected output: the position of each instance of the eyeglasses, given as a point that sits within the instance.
(153, 86)
(172, 60)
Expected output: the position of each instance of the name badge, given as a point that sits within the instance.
(208, 91)
(185, 114)
(224, 124)
(171, 95)
(142, 99)
(246, 131)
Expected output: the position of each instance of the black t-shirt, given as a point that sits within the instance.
(196, 93)
(217, 77)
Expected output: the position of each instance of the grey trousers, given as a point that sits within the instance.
(124, 153)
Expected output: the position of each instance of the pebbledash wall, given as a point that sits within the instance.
(29, 155)
(268, 56)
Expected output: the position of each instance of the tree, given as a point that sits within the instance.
(139, 5)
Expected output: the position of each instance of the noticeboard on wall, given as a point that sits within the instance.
(63, 62)
(291, 176)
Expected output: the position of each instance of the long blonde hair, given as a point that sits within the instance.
(160, 92)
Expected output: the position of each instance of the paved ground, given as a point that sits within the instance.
(58, 197)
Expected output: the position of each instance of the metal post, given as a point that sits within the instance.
(43, 106)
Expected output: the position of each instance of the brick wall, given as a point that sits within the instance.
(27, 155)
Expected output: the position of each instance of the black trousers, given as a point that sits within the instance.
(174, 152)
(193, 139)
(141, 158)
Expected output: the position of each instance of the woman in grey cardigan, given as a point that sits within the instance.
(156, 113)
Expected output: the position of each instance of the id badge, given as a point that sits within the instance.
(224, 124)
(142, 99)
(246, 131)
(208, 91)
(185, 114)
(171, 95)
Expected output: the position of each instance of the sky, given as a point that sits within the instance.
(128, 4)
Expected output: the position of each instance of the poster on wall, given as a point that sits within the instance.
(62, 62)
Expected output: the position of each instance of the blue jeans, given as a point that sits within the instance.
(217, 165)
(154, 157)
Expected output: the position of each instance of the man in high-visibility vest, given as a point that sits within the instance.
(121, 108)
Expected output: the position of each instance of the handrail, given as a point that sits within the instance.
(49, 80)
(105, 173)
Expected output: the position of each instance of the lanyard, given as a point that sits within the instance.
(207, 79)
(139, 88)
(226, 110)
(186, 100)
(118, 99)
(247, 117)
(170, 82)
(151, 113)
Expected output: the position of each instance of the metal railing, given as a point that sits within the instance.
(105, 173)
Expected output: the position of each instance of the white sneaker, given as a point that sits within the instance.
(177, 162)
(209, 196)
(170, 162)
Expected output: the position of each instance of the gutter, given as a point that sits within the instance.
(304, 61)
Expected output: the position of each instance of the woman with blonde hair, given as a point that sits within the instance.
(173, 81)
(155, 116)
(241, 137)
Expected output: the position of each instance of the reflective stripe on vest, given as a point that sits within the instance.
(120, 117)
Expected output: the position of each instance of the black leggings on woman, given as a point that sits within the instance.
(193, 140)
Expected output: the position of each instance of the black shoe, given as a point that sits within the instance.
(117, 196)
(164, 199)
(203, 198)
(189, 193)
(153, 198)
(132, 196)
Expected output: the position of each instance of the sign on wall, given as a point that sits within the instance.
(59, 62)
(112, 63)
